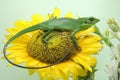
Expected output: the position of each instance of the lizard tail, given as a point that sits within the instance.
(33, 28)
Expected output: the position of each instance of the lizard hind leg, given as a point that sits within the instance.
(45, 35)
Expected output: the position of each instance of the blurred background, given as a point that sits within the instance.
(13, 10)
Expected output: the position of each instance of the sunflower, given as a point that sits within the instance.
(29, 49)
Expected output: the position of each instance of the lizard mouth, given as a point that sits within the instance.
(59, 48)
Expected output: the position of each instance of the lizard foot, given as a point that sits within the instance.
(78, 48)
(44, 41)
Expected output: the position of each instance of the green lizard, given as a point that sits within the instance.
(55, 24)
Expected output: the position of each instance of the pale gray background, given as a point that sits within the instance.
(13, 10)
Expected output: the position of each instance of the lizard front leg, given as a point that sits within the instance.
(45, 35)
(74, 39)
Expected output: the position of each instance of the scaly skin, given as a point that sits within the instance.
(55, 24)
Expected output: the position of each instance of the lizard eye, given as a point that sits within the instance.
(91, 18)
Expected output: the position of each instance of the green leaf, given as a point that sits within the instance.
(105, 39)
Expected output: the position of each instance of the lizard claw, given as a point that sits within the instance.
(78, 48)
(44, 41)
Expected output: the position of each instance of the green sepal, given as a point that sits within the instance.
(89, 76)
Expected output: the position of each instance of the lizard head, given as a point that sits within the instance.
(87, 22)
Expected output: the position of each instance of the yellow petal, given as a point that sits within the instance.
(50, 74)
(93, 45)
(42, 73)
(69, 15)
(12, 31)
(16, 49)
(87, 59)
(19, 60)
(21, 24)
(76, 69)
(56, 12)
(31, 71)
(63, 71)
(9, 65)
(84, 32)
(89, 40)
(32, 63)
(90, 51)
(48, 16)
(37, 18)
(85, 65)
(24, 38)
(17, 54)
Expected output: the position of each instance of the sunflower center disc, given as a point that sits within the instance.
(59, 47)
